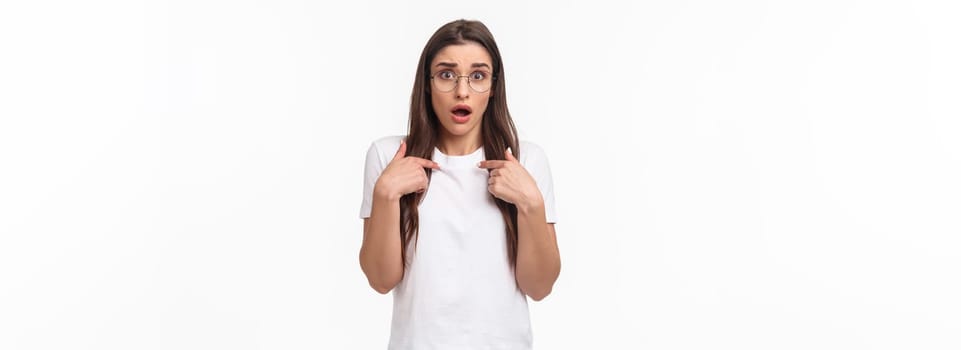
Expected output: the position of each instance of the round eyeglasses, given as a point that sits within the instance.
(446, 81)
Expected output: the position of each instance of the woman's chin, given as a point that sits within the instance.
(458, 130)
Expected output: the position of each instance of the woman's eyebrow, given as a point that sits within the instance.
(454, 65)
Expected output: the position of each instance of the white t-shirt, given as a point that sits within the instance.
(459, 291)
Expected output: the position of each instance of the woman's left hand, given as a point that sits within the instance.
(510, 182)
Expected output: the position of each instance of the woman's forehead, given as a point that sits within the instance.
(462, 55)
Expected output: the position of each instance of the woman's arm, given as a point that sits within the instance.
(380, 253)
(538, 258)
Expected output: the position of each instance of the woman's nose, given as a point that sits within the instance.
(462, 89)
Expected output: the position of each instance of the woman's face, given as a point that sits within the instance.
(460, 110)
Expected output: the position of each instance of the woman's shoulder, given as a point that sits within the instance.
(530, 151)
(526, 145)
(387, 144)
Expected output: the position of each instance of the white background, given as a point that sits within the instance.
(729, 175)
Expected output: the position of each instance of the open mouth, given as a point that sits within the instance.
(461, 110)
(461, 113)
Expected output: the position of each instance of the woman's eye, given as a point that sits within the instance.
(478, 76)
(446, 75)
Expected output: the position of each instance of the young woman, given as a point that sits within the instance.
(459, 215)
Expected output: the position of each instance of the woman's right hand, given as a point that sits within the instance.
(404, 175)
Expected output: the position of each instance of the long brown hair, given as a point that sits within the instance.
(497, 128)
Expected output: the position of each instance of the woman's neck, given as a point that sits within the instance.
(459, 146)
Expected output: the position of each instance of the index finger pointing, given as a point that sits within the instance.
(426, 163)
(491, 164)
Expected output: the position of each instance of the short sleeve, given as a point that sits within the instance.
(373, 166)
(535, 162)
